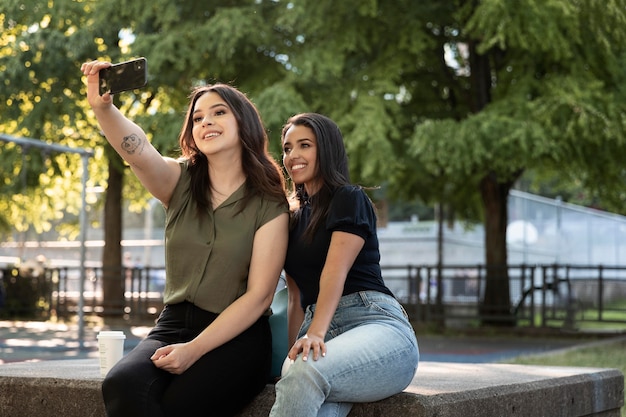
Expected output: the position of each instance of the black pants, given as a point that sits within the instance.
(219, 384)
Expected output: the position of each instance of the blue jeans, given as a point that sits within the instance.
(371, 354)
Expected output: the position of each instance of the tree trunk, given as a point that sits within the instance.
(495, 308)
(112, 273)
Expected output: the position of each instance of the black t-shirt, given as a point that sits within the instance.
(350, 211)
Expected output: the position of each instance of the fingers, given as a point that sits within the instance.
(306, 345)
(161, 353)
(93, 67)
(174, 359)
(163, 359)
(323, 349)
(91, 70)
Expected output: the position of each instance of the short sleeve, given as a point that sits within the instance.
(270, 209)
(351, 211)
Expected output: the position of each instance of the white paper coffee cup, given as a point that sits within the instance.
(111, 349)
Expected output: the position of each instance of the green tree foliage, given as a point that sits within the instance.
(37, 100)
(42, 97)
(41, 49)
(197, 42)
(186, 43)
(451, 101)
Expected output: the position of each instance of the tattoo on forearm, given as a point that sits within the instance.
(132, 143)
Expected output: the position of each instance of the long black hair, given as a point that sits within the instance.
(332, 166)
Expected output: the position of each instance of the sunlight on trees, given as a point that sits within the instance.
(449, 103)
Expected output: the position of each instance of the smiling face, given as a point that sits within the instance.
(214, 126)
(300, 157)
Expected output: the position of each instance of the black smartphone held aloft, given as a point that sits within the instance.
(124, 76)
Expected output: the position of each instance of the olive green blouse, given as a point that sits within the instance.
(207, 258)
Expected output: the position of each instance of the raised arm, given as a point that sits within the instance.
(158, 174)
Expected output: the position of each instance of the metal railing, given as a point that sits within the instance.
(56, 292)
(551, 295)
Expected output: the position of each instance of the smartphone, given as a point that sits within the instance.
(129, 75)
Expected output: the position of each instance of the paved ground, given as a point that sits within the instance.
(37, 341)
(481, 349)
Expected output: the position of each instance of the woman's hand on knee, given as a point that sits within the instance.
(175, 359)
(306, 344)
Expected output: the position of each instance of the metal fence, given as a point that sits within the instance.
(49, 292)
(550, 295)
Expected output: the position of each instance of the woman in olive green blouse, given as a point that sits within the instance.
(225, 238)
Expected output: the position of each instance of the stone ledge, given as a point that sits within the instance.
(72, 388)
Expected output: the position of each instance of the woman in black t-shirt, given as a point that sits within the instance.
(341, 314)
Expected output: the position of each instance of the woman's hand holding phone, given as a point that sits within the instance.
(92, 70)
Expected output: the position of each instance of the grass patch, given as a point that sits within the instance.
(595, 355)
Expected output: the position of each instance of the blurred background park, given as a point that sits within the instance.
(493, 134)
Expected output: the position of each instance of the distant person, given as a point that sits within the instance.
(351, 339)
(225, 238)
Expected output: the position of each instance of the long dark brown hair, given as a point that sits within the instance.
(332, 166)
(263, 174)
